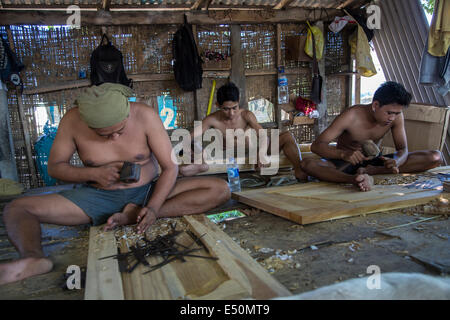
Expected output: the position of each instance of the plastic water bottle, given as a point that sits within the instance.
(233, 175)
(283, 92)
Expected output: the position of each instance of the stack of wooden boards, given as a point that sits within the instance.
(234, 275)
(322, 201)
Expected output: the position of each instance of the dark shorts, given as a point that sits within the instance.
(100, 204)
(352, 169)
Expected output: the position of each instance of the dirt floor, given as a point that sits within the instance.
(302, 258)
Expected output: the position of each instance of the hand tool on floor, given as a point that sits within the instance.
(130, 172)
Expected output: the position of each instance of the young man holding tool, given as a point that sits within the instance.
(359, 124)
(230, 116)
(106, 130)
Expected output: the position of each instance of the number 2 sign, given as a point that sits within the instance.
(167, 111)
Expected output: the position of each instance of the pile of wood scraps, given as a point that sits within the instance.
(225, 270)
(165, 246)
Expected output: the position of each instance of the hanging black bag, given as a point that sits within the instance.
(187, 63)
(107, 65)
(316, 89)
(10, 65)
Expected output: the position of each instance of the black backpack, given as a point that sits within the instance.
(107, 65)
(10, 65)
(187, 66)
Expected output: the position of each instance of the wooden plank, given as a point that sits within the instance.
(235, 275)
(235, 262)
(237, 65)
(322, 201)
(195, 278)
(103, 280)
(425, 128)
(282, 4)
(283, 162)
(322, 122)
(426, 113)
(24, 122)
(199, 17)
(278, 57)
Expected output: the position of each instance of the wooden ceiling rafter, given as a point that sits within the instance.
(201, 3)
(106, 5)
(282, 4)
(113, 17)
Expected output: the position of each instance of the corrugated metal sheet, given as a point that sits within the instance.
(399, 45)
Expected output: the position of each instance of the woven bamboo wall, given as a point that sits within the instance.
(213, 39)
(54, 54)
(258, 44)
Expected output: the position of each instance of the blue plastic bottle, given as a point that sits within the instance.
(234, 181)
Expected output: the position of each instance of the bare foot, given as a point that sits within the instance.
(364, 182)
(23, 268)
(189, 170)
(127, 216)
(300, 175)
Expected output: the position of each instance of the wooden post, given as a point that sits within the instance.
(277, 105)
(349, 81)
(23, 120)
(8, 168)
(237, 64)
(197, 111)
(322, 122)
(357, 89)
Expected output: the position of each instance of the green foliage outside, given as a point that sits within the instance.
(428, 6)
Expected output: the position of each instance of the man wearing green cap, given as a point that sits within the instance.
(106, 130)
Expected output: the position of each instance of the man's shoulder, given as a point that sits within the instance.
(246, 114)
(72, 115)
(213, 117)
(354, 112)
(142, 110)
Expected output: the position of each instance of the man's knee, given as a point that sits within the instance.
(286, 137)
(308, 164)
(221, 190)
(435, 158)
(19, 206)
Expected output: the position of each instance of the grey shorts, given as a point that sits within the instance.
(100, 204)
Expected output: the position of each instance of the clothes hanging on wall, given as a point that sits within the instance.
(439, 35)
(360, 47)
(435, 62)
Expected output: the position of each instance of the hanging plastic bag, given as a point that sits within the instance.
(361, 49)
(318, 39)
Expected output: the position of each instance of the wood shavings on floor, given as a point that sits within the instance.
(161, 227)
(396, 180)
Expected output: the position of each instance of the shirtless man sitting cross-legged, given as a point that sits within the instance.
(347, 164)
(106, 130)
(230, 116)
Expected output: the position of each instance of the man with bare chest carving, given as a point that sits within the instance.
(230, 116)
(346, 162)
(106, 130)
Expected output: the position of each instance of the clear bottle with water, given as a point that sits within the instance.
(233, 175)
(283, 92)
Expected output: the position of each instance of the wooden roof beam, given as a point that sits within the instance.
(282, 4)
(103, 18)
(106, 5)
(199, 3)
